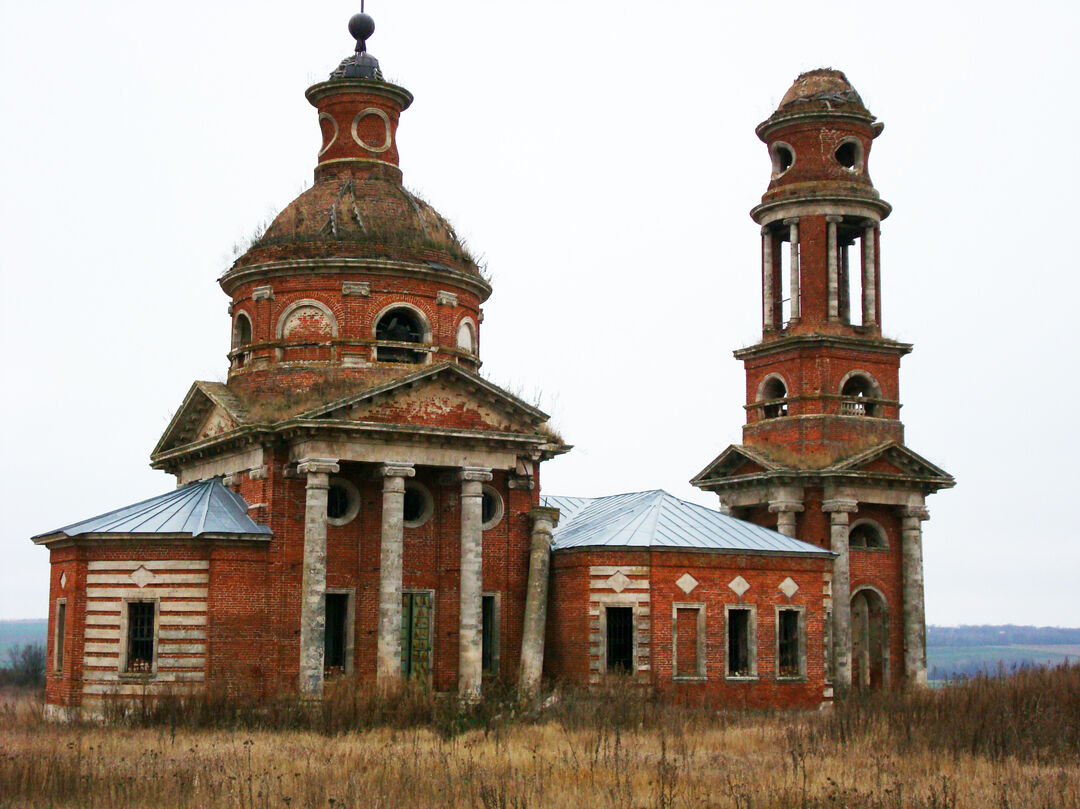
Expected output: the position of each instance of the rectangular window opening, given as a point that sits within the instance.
(738, 643)
(620, 639)
(488, 635)
(58, 640)
(787, 635)
(140, 637)
(335, 640)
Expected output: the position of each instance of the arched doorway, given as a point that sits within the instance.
(869, 639)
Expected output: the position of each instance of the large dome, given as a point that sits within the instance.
(360, 213)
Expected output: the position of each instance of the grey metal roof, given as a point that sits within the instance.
(656, 519)
(206, 507)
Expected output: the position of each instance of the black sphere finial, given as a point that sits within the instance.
(361, 26)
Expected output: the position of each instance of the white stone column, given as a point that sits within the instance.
(795, 281)
(869, 275)
(767, 271)
(785, 511)
(536, 597)
(914, 607)
(313, 587)
(388, 643)
(470, 590)
(834, 271)
(839, 512)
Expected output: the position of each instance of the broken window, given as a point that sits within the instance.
(688, 643)
(857, 391)
(620, 639)
(489, 635)
(866, 535)
(399, 326)
(788, 644)
(335, 637)
(740, 643)
(58, 638)
(772, 390)
(140, 636)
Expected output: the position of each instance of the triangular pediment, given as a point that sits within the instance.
(735, 461)
(209, 409)
(892, 459)
(444, 396)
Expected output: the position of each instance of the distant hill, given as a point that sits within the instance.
(19, 633)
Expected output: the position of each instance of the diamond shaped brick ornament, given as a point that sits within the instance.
(618, 582)
(63, 580)
(686, 583)
(738, 586)
(141, 576)
(788, 587)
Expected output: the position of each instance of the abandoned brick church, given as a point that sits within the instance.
(358, 501)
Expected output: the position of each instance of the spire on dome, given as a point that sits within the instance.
(361, 65)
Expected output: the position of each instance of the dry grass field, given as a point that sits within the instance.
(1005, 743)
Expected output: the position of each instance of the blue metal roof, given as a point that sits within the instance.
(206, 507)
(656, 519)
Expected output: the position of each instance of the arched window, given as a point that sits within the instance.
(866, 534)
(241, 335)
(773, 388)
(399, 325)
(466, 336)
(858, 390)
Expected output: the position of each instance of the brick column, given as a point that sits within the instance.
(793, 294)
(785, 511)
(313, 588)
(914, 607)
(839, 512)
(834, 270)
(470, 592)
(536, 597)
(388, 661)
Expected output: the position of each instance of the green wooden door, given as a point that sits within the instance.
(416, 614)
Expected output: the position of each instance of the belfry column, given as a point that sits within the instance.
(914, 607)
(796, 280)
(470, 592)
(388, 662)
(785, 511)
(834, 269)
(313, 588)
(839, 512)
(869, 275)
(536, 597)
(767, 320)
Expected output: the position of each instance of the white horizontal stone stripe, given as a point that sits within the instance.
(107, 648)
(160, 578)
(183, 606)
(145, 592)
(182, 648)
(166, 663)
(619, 598)
(103, 606)
(182, 634)
(161, 677)
(112, 619)
(102, 662)
(160, 564)
(130, 689)
(611, 570)
(109, 633)
(632, 584)
(182, 620)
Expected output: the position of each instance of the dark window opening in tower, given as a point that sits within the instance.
(856, 392)
(783, 158)
(866, 535)
(418, 505)
(399, 326)
(337, 502)
(773, 389)
(847, 155)
(241, 337)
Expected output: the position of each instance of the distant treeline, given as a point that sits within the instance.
(1005, 635)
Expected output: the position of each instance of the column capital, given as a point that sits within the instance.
(840, 506)
(870, 224)
(315, 466)
(915, 512)
(540, 514)
(393, 469)
(766, 230)
(793, 220)
(481, 474)
(778, 506)
(834, 219)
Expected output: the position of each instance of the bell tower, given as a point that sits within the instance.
(823, 455)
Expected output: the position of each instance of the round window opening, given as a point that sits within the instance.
(783, 157)
(847, 155)
(342, 502)
(418, 506)
(491, 508)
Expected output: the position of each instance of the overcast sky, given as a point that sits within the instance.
(601, 157)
